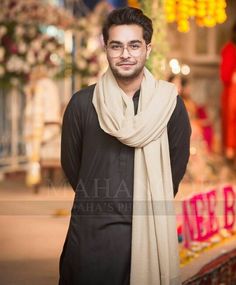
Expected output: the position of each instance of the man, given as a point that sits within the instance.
(117, 140)
(228, 101)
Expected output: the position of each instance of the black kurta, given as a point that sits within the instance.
(100, 169)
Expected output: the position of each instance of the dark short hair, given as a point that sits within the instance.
(128, 16)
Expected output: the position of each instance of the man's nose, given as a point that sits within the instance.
(125, 53)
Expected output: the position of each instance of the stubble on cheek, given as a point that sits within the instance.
(120, 73)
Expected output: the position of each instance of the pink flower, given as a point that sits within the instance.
(14, 48)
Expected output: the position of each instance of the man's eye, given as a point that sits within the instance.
(134, 46)
(116, 47)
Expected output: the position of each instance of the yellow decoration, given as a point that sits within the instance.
(209, 22)
(183, 26)
(201, 12)
(207, 13)
(133, 3)
(221, 18)
(192, 12)
(171, 18)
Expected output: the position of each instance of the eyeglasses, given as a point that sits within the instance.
(117, 49)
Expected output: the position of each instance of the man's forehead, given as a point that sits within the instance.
(125, 33)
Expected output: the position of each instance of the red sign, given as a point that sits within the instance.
(205, 213)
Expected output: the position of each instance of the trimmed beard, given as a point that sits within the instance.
(132, 76)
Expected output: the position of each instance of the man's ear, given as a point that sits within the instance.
(149, 48)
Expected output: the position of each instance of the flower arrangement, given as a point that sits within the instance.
(23, 43)
(90, 58)
(24, 47)
(207, 13)
(35, 12)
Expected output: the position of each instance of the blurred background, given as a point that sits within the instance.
(49, 49)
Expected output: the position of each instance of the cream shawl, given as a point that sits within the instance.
(154, 248)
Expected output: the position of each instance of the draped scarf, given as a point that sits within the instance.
(154, 245)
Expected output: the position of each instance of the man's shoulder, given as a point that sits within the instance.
(81, 100)
(179, 114)
(83, 95)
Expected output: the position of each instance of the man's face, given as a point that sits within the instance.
(126, 51)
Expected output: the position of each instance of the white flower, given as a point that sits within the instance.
(15, 64)
(36, 44)
(10, 65)
(42, 55)
(2, 71)
(22, 47)
(3, 31)
(19, 31)
(55, 59)
(19, 65)
(26, 68)
(2, 53)
(30, 57)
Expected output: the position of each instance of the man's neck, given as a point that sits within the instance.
(130, 86)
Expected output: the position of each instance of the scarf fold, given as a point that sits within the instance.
(154, 247)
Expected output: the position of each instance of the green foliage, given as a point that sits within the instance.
(157, 60)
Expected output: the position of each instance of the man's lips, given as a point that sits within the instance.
(125, 64)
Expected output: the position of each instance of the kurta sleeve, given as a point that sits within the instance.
(179, 132)
(71, 142)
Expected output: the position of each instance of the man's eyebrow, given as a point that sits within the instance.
(115, 42)
(131, 42)
(135, 41)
